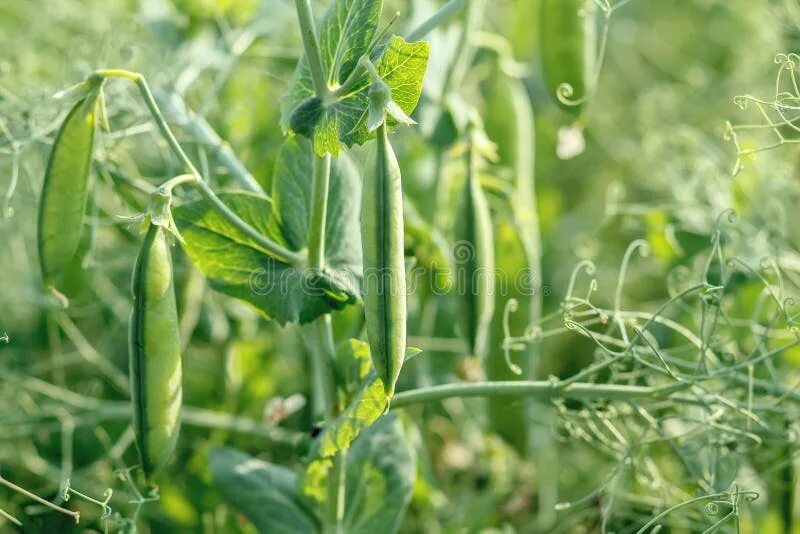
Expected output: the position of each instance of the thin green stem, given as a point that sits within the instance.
(309, 33)
(540, 389)
(10, 485)
(369, 67)
(90, 410)
(90, 354)
(318, 336)
(353, 80)
(336, 486)
(363, 66)
(440, 17)
(462, 55)
(319, 211)
(10, 517)
(323, 342)
(178, 180)
(274, 249)
(176, 109)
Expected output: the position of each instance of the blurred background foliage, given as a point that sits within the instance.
(655, 167)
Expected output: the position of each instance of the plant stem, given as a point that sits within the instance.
(319, 338)
(462, 56)
(190, 417)
(309, 33)
(356, 77)
(273, 249)
(322, 337)
(10, 485)
(181, 179)
(90, 410)
(336, 489)
(319, 335)
(175, 108)
(319, 211)
(541, 389)
(10, 517)
(440, 17)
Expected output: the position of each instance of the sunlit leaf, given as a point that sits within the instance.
(343, 121)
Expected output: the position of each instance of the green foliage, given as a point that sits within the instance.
(365, 407)
(657, 387)
(346, 33)
(237, 266)
(381, 469)
(265, 493)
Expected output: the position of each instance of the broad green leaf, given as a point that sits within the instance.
(238, 267)
(381, 470)
(353, 364)
(265, 493)
(291, 197)
(330, 125)
(368, 404)
(344, 33)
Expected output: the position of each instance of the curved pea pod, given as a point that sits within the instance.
(155, 359)
(384, 264)
(473, 255)
(567, 50)
(65, 191)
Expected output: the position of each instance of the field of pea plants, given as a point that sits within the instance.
(399, 266)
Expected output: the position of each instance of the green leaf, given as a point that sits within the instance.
(236, 266)
(291, 197)
(381, 470)
(330, 125)
(265, 493)
(344, 34)
(368, 404)
(353, 364)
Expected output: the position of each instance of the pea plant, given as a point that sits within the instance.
(683, 398)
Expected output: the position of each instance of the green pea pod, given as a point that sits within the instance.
(155, 359)
(473, 254)
(567, 50)
(384, 264)
(428, 246)
(65, 191)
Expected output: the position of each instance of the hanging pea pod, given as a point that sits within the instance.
(568, 51)
(66, 190)
(383, 253)
(428, 246)
(154, 341)
(473, 254)
(516, 245)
